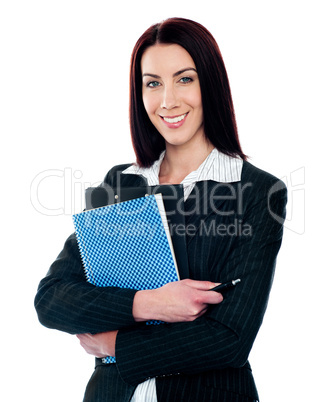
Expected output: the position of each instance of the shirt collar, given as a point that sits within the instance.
(217, 166)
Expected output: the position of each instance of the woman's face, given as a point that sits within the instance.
(172, 94)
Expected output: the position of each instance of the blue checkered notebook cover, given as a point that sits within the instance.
(127, 245)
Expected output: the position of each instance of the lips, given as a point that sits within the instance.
(174, 121)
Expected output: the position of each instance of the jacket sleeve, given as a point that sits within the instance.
(225, 335)
(67, 302)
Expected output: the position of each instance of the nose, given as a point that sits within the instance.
(169, 98)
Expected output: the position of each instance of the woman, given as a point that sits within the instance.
(184, 131)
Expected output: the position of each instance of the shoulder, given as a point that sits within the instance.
(259, 185)
(258, 177)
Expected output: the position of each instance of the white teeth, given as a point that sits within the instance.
(175, 119)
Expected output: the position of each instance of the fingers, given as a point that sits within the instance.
(88, 342)
(199, 314)
(205, 296)
(83, 337)
(83, 341)
(212, 297)
(200, 285)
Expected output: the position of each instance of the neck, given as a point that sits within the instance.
(179, 162)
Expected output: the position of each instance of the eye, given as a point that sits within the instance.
(153, 84)
(186, 80)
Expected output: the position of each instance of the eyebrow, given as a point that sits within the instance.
(174, 75)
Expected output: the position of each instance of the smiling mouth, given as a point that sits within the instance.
(175, 119)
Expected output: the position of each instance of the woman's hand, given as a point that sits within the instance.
(99, 345)
(180, 301)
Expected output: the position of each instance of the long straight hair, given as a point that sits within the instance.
(219, 122)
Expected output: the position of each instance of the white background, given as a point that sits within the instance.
(64, 122)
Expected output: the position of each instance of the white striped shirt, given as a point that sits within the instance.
(217, 167)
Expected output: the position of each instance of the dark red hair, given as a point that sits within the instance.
(218, 112)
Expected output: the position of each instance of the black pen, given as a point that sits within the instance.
(224, 286)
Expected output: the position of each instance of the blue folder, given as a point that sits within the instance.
(172, 195)
(127, 245)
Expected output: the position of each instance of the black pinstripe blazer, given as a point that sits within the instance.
(234, 231)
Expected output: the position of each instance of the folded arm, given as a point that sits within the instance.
(67, 302)
(181, 301)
